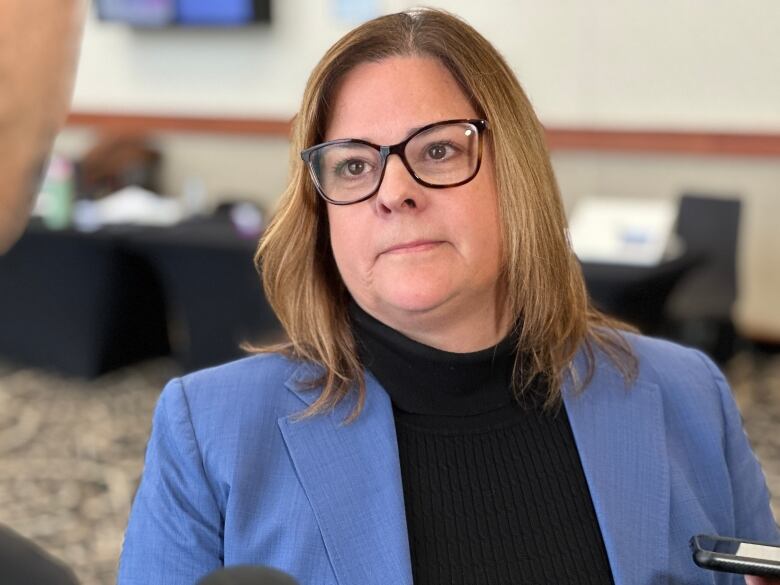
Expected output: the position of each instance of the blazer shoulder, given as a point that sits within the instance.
(667, 363)
(266, 367)
(261, 381)
(691, 386)
(685, 378)
(219, 413)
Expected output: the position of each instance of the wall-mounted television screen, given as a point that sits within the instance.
(198, 13)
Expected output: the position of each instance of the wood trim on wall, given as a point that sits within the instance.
(151, 124)
(699, 143)
(559, 139)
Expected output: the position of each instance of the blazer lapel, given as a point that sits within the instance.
(352, 478)
(620, 435)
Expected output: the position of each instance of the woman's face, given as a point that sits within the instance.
(423, 261)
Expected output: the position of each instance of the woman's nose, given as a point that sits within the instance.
(399, 190)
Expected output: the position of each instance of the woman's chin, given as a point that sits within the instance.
(413, 301)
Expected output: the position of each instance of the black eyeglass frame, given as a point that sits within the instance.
(386, 151)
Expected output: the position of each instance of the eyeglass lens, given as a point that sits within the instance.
(442, 155)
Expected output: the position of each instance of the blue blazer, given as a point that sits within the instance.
(232, 477)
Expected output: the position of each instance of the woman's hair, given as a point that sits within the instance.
(545, 290)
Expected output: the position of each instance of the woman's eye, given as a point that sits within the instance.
(440, 151)
(437, 151)
(355, 167)
(350, 168)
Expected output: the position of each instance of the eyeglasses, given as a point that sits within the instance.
(440, 155)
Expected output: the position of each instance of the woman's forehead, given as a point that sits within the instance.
(385, 101)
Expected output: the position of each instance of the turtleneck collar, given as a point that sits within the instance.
(424, 380)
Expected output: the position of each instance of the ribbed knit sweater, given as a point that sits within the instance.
(494, 490)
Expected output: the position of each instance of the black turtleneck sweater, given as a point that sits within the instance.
(494, 491)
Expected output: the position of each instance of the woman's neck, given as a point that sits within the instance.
(421, 379)
(477, 329)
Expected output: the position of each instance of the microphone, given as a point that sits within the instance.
(247, 575)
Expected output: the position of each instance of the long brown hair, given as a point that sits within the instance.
(544, 285)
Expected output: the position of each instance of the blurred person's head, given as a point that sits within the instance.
(424, 253)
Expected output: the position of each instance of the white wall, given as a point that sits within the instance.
(683, 64)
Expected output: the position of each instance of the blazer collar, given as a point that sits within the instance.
(620, 435)
(352, 477)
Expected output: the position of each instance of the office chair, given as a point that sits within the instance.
(699, 311)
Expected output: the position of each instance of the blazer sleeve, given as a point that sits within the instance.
(753, 519)
(174, 535)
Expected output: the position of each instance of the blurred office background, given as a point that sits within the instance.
(664, 128)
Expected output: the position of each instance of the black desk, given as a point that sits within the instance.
(78, 303)
(86, 303)
(636, 294)
(213, 292)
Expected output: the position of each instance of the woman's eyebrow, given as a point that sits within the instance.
(415, 129)
(409, 132)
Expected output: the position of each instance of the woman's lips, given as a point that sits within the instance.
(411, 247)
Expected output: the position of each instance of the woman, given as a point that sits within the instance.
(449, 408)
